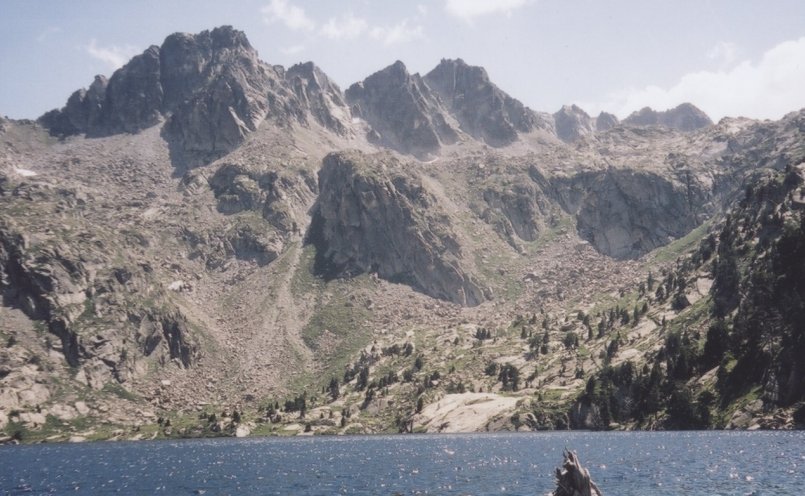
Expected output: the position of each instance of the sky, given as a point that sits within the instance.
(728, 57)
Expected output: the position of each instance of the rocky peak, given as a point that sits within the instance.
(572, 123)
(482, 109)
(605, 121)
(187, 60)
(84, 107)
(134, 96)
(322, 96)
(212, 89)
(685, 117)
(402, 111)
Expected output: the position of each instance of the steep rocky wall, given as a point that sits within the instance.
(373, 216)
(518, 209)
(100, 333)
(484, 111)
(414, 124)
(626, 213)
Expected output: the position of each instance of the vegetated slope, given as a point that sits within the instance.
(736, 359)
(249, 249)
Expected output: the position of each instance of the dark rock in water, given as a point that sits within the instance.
(685, 117)
(572, 123)
(573, 479)
(374, 216)
(483, 110)
(605, 121)
(403, 111)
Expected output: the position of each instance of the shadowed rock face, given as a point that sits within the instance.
(55, 285)
(483, 110)
(605, 121)
(402, 111)
(625, 214)
(572, 123)
(372, 216)
(316, 92)
(685, 117)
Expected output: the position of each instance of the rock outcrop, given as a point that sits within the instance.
(320, 95)
(402, 111)
(482, 109)
(685, 117)
(624, 213)
(519, 208)
(101, 334)
(83, 112)
(605, 121)
(211, 88)
(374, 216)
(572, 123)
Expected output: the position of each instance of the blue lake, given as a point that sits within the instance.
(666, 463)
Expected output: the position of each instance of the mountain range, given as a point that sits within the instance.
(206, 244)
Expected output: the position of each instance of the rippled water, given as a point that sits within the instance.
(689, 463)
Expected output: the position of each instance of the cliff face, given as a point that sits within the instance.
(373, 216)
(685, 117)
(572, 123)
(483, 110)
(402, 111)
(322, 97)
(626, 214)
(88, 307)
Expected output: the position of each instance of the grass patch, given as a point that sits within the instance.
(303, 280)
(119, 391)
(342, 329)
(681, 246)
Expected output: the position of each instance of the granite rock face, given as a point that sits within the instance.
(219, 94)
(685, 117)
(101, 334)
(82, 113)
(320, 95)
(373, 216)
(402, 111)
(482, 109)
(625, 213)
(605, 121)
(572, 123)
(211, 88)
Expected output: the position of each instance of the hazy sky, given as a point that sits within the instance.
(729, 57)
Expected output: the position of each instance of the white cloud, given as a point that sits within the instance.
(724, 52)
(292, 16)
(399, 33)
(114, 56)
(766, 89)
(422, 9)
(468, 10)
(346, 27)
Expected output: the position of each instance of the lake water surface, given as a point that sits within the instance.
(667, 463)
